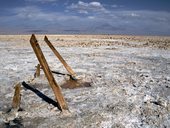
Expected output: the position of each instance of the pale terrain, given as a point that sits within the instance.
(129, 75)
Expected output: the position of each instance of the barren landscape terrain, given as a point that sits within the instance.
(129, 76)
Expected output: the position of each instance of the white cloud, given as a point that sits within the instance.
(82, 7)
(114, 6)
(91, 17)
(134, 14)
(121, 21)
(96, 4)
(83, 11)
(80, 3)
(34, 13)
(31, 13)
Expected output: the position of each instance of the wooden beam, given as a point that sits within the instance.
(56, 89)
(37, 72)
(17, 97)
(68, 68)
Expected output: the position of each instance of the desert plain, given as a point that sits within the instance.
(129, 78)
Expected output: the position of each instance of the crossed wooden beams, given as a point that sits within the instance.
(48, 73)
(41, 58)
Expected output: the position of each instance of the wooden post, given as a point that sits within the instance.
(56, 89)
(17, 97)
(68, 68)
(37, 72)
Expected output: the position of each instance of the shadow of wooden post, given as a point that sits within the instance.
(41, 95)
(41, 58)
(68, 68)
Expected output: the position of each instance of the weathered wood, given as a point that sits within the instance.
(68, 68)
(37, 72)
(17, 97)
(56, 89)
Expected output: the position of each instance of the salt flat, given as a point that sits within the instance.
(130, 81)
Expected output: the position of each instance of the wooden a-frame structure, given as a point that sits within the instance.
(48, 73)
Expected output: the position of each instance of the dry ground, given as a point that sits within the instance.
(130, 78)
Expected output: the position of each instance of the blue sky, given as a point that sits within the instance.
(137, 17)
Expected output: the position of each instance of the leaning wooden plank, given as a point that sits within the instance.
(17, 97)
(68, 68)
(56, 89)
